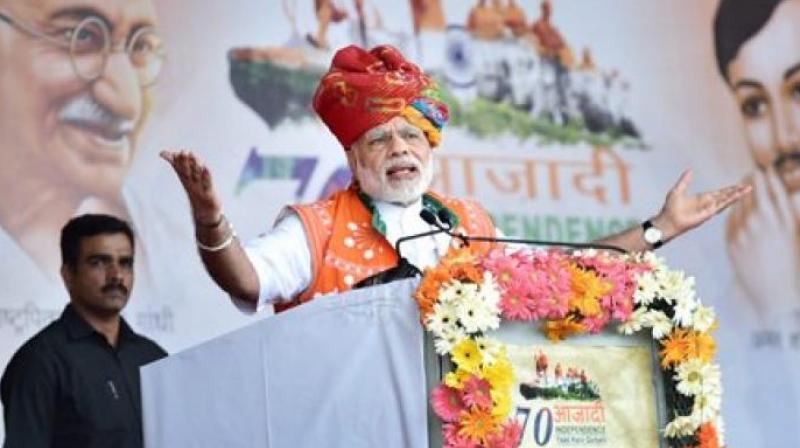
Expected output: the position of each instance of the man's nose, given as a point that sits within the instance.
(118, 88)
(397, 145)
(114, 272)
(786, 122)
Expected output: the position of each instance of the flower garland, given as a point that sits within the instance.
(466, 296)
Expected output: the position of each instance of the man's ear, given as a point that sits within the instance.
(350, 153)
(68, 275)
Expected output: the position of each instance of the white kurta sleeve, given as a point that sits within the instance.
(282, 261)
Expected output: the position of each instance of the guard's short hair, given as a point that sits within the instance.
(86, 226)
(736, 22)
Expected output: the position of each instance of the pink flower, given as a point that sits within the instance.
(447, 403)
(514, 302)
(451, 438)
(621, 274)
(512, 433)
(508, 438)
(501, 265)
(477, 392)
(549, 285)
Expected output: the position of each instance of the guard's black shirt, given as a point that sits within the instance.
(68, 387)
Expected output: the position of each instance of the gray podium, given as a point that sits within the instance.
(347, 370)
(341, 371)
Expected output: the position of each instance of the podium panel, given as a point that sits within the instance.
(344, 370)
(598, 391)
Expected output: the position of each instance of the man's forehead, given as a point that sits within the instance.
(395, 123)
(113, 244)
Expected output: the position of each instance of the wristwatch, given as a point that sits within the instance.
(652, 234)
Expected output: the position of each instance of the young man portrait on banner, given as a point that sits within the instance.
(76, 382)
(758, 55)
(388, 116)
(75, 79)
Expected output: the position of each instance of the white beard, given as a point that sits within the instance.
(378, 186)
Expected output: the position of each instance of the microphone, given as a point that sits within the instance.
(441, 221)
(404, 268)
(443, 224)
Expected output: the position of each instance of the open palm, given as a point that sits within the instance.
(683, 211)
(196, 180)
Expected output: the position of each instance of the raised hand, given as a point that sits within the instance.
(683, 212)
(196, 180)
(764, 246)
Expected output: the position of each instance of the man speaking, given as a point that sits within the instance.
(388, 116)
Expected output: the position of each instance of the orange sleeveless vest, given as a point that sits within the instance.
(347, 244)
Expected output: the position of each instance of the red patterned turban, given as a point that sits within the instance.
(364, 89)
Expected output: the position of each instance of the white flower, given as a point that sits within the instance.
(467, 309)
(676, 286)
(448, 340)
(683, 425)
(487, 318)
(703, 318)
(489, 291)
(442, 319)
(684, 311)
(720, 425)
(706, 406)
(646, 289)
(490, 349)
(660, 323)
(650, 258)
(586, 253)
(696, 377)
(457, 291)
(634, 323)
(477, 315)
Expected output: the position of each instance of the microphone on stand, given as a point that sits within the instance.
(404, 268)
(442, 222)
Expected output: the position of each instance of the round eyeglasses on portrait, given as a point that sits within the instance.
(89, 46)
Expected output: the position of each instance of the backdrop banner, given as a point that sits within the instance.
(569, 121)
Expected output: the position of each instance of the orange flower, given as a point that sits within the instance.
(683, 344)
(458, 256)
(702, 345)
(477, 425)
(587, 289)
(557, 330)
(465, 271)
(427, 294)
(707, 436)
(676, 348)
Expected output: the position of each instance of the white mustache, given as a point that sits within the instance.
(84, 111)
(402, 161)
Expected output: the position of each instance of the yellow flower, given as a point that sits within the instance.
(501, 404)
(456, 379)
(467, 356)
(701, 346)
(477, 425)
(587, 289)
(499, 374)
(676, 348)
(557, 330)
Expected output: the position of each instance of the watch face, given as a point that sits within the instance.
(652, 235)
